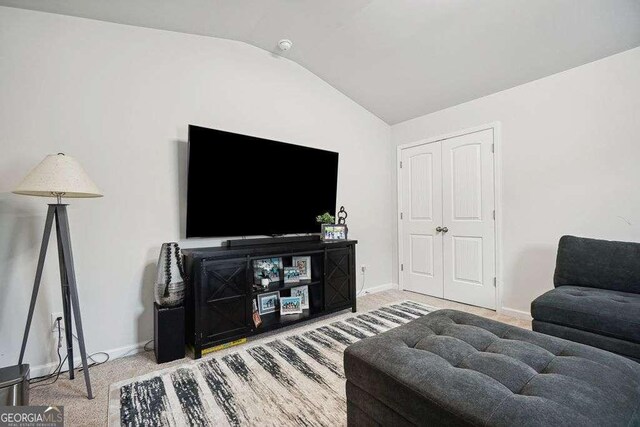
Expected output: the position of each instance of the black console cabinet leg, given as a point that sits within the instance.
(352, 268)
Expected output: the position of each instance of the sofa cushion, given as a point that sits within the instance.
(598, 264)
(610, 313)
(479, 371)
(624, 348)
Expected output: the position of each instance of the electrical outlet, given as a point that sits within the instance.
(54, 323)
(363, 268)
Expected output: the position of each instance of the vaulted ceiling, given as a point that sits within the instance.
(398, 58)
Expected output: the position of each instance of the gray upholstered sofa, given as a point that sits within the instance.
(596, 300)
(455, 368)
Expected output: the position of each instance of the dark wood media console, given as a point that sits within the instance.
(220, 288)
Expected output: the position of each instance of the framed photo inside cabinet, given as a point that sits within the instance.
(268, 268)
(303, 293)
(291, 275)
(268, 302)
(290, 305)
(303, 264)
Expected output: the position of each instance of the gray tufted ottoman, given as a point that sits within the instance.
(455, 368)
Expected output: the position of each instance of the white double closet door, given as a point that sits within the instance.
(447, 219)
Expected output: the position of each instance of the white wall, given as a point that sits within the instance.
(570, 163)
(119, 99)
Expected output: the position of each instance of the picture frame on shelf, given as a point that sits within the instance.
(303, 293)
(268, 302)
(291, 275)
(334, 232)
(290, 305)
(268, 268)
(303, 263)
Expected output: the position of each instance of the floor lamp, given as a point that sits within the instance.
(60, 176)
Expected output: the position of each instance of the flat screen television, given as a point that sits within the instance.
(241, 185)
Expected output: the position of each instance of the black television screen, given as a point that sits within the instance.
(240, 185)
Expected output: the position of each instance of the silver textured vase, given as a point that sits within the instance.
(169, 287)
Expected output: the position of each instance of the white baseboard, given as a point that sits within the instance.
(130, 350)
(379, 288)
(116, 353)
(518, 314)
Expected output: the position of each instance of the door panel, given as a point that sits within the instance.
(468, 204)
(421, 255)
(466, 170)
(421, 209)
(467, 264)
(224, 308)
(338, 278)
(421, 171)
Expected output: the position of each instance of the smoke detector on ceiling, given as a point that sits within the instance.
(285, 44)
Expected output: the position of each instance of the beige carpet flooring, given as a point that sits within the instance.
(79, 411)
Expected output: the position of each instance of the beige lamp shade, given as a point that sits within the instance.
(58, 175)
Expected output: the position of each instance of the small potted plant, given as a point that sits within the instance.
(325, 218)
(264, 280)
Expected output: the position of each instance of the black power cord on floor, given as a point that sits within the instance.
(37, 382)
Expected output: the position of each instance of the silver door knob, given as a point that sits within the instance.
(439, 229)
(445, 229)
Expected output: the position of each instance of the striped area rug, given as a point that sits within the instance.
(289, 379)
